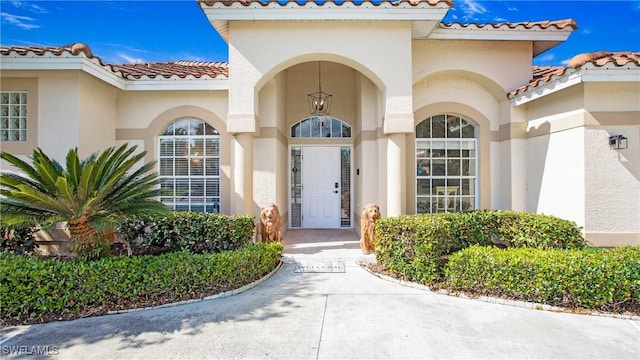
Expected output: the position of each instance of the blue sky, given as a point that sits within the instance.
(150, 31)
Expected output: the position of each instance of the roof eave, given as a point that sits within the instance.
(219, 15)
(571, 78)
(70, 62)
(104, 73)
(189, 84)
(539, 36)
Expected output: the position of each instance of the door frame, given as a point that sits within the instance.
(289, 180)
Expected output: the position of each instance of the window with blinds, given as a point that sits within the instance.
(189, 166)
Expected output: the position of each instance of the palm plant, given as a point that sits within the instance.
(91, 195)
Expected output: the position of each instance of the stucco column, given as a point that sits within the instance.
(242, 199)
(396, 176)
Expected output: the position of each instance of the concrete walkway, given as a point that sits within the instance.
(347, 315)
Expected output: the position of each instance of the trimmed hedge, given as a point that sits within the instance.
(18, 240)
(603, 279)
(416, 247)
(37, 289)
(196, 232)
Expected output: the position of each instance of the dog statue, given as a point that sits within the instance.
(370, 214)
(271, 223)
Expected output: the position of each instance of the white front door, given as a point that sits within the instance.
(321, 187)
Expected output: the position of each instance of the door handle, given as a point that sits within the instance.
(335, 191)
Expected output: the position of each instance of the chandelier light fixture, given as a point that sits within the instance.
(319, 101)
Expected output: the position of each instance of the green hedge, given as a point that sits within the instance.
(416, 247)
(18, 240)
(604, 279)
(196, 232)
(32, 289)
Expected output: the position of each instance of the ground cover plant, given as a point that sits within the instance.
(35, 289)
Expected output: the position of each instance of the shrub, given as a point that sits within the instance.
(18, 240)
(416, 247)
(36, 289)
(604, 279)
(184, 230)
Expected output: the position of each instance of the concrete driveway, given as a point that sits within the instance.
(344, 315)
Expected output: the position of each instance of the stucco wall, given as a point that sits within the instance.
(555, 175)
(337, 79)
(59, 115)
(97, 113)
(506, 63)
(612, 179)
(260, 50)
(613, 96)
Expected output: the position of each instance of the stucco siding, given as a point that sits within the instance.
(136, 110)
(564, 101)
(617, 97)
(59, 112)
(337, 80)
(97, 115)
(506, 63)
(612, 179)
(453, 88)
(555, 175)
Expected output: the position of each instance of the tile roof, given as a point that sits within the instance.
(322, 2)
(166, 70)
(600, 59)
(73, 49)
(527, 25)
(181, 69)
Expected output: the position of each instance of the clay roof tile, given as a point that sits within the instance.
(545, 74)
(543, 25)
(181, 69)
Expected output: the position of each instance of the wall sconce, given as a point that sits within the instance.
(618, 142)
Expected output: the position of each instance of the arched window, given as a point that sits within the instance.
(321, 127)
(189, 166)
(446, 164)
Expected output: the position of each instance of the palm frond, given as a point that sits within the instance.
(74, 168)
(29, 170)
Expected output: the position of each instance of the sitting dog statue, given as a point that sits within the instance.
(270, 223)
(370, 214)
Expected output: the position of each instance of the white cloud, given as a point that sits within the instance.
(29, 6)
(546, 58)
(512, 8)
(586, 31)
(565, 62)
(471, 9)
(19, 21)
(130, 59)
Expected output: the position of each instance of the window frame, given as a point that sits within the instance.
(30, 87)
(204, 201)
(438, 149)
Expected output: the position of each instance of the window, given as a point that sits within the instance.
(13, 116)
(189, 166)
(446, 161)
(321, 127)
